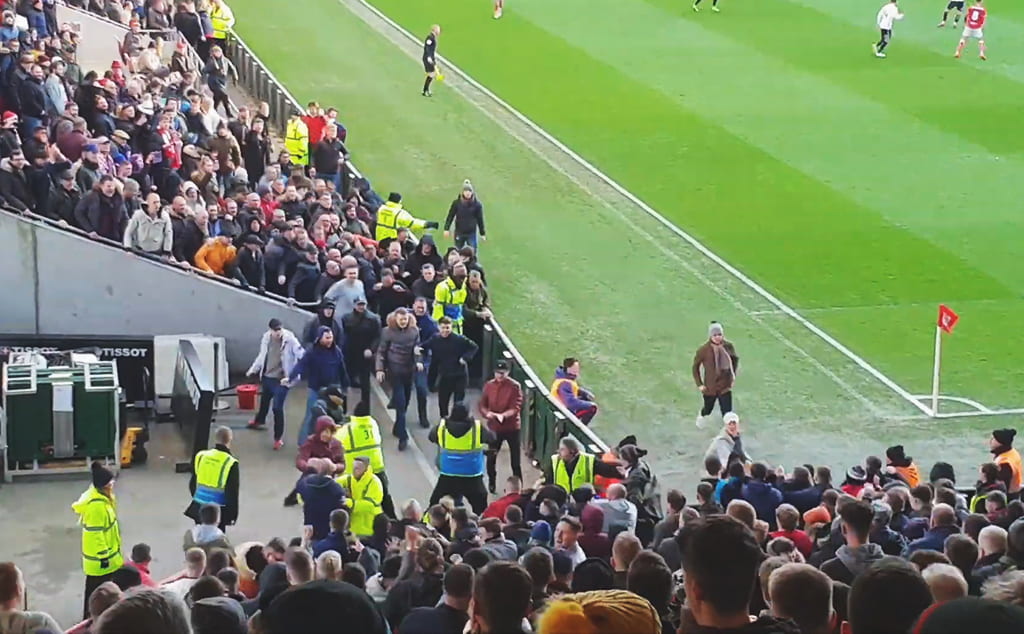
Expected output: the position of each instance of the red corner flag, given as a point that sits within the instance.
(947, 318)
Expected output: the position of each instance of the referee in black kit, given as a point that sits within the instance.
(429, 60)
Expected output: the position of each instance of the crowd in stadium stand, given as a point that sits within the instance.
(140, 154)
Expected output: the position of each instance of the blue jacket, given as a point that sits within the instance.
(333, 541)
(322, 366)
(428, 328)
(320, 495)
(934, 539)
(764, 498)
(803, 499)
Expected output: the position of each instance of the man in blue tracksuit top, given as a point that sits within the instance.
(321, 366)
(428, 328)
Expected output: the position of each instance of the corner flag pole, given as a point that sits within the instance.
(946, 323)
(936, 369)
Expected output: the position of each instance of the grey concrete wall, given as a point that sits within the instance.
(100, 38)
(56, 282)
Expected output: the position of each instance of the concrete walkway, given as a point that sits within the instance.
(41, 534)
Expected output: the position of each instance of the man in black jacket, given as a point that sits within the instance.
(468, 214)
(451, 354)
(63, 199)
(33, 100)
(249, 268)
(179, 229)
(362, 334)
(14, 183)
(328, 155)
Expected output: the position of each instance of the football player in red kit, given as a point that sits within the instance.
(974, 22)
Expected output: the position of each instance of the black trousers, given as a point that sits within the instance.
(358, 368)
(512, 438)
(472, 489)
(387, 504)
(724, 403)
(447, 387)
(884, 40)
(91, 583)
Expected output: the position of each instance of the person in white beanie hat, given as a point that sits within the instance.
(714, 371)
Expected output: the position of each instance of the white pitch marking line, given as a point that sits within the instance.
(696, 244)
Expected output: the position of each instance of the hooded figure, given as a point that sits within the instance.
(321, 444)
(218, 615)
(902, 466)
(425, 253)
(325, 316)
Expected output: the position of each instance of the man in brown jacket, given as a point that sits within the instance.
(719, 362)
(500, 404)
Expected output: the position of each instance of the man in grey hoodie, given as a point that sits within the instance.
(398, 358)
(859, 553)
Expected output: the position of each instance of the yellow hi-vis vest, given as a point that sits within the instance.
(212, 468)
(448, 302)
(361, 437)
(101, 537)
(462, 456)
(390, 217)
(363, 499)
(582, 474)
(296, 141)
(222, 19)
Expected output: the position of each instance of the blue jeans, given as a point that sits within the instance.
(422, 392)
(306, 429)
(272, 396)
(461, 241)
(401, 388)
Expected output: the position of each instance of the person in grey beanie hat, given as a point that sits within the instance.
(714, 371)
(468, 214)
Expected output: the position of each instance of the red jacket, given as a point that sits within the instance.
(316, 448)
(501, 397)
(497, 508)
(316, 127)
(799, 539)
(147, 580)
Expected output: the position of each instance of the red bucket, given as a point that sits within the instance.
(247, 396)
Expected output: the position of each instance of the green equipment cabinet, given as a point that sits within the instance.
(59, 419)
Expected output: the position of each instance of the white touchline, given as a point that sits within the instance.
(696, 244)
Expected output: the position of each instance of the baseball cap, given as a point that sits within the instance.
(121, 134)
(90, 147)
(731, 417)
(502, 365)
(360, 300)
(275, 324)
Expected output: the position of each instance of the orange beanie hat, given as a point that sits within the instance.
(599, 612)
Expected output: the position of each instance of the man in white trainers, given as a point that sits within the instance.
(888, 14)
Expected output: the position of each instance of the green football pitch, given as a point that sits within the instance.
(857, 192)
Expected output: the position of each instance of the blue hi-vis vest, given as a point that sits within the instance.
(464, 456)
(212, 469)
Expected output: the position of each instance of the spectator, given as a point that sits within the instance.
(451, 615)
(12, 601)
(181, 583)
(600, 612)
(802, 594)
(714, 371)
(728, 444)
(299, 566)
(567, 390)
(513, 494)
(322, 365)
(496, 543)
(515, 529)
(279, 353)
(206, 534)
(140, 560)
(218, 615)
(945, 581)
(619, 513)
(423, 586)
(149, 229)
(892, 543)
(321, 606)
(858, 554)
(397, 359)
(501, 403)
(720, 564)
(787, 517)
(153, 611)
(102, 598)
(762, 496)
(888, 597)
(362, 333)
(1012, 559)
(329, 566)
(468, 215)
(567, 534)
(450, 353)
(650, 578)
(335, 539)
(625, 549)
(901, 466)
(14, 187)
(593, 574)
(320, 496)
(676, 501)
(942, 525)
(101, 212)
(344, 294)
